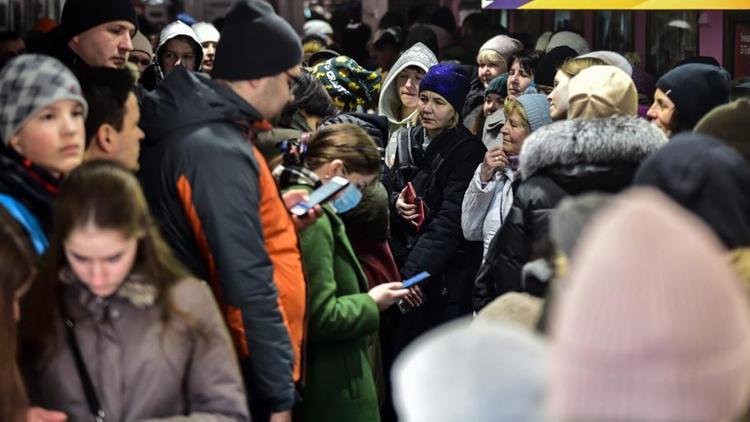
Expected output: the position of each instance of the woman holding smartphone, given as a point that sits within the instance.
(113, 326)
(343, 313)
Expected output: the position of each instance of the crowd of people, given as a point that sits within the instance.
(585, 226)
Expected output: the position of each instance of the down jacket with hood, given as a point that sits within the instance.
(213, 196)
(154, 74)
(389, 104)
(564, 158)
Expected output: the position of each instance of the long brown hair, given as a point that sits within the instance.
(107, 196)
(17, 262)
(346, 142)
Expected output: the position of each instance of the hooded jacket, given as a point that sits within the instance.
(154, 74)
(564, 158)
(389, 104)
(218, 207)
(708, 178)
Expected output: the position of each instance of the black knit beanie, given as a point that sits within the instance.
(695, 89)
(78, 16)
(255, 43)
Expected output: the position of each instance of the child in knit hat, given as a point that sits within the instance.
(42, 114)
(494, 55)
(489, 196)
(653, 325)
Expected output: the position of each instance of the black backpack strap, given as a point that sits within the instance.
(92, 399)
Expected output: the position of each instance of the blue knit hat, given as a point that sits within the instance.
(498, 86)
(536, 107)
(448, 80)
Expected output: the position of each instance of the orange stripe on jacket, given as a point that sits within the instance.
(282, 245)
(233, 315)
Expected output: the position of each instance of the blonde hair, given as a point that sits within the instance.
(514, 105)
(575, 65)
(491, 56)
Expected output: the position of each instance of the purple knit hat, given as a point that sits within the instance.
(654, 325)
(448, 80)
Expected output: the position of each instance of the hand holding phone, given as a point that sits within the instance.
(320, 195)
(410, 197)
(415, 297)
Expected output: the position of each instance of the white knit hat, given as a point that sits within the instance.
(653, 325)
(483, 372)
(317, 26)
(206, 32)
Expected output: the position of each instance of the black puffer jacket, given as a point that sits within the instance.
(565, 158)
(439, 247)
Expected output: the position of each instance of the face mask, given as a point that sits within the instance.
(347, 200)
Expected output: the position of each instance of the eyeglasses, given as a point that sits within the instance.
(293, 81)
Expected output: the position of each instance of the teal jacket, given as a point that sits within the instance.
(339, 384)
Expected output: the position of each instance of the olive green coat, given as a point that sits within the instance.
(338, 384)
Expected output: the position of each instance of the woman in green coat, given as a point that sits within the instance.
(339, 384)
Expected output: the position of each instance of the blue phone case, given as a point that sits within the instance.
(414, 280)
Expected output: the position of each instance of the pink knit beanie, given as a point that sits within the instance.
(653, 325)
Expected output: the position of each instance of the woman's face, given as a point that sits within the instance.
(488, 71)
(435, 112)
(54, 137)
(408, 86)
(661, 111)
(100, 258)
(558, 98)
(492, 103)
(518, 80)
(514, 133)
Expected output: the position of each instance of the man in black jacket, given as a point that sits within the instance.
(216, 201)
(93, 33)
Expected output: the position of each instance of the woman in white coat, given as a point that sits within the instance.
(489, 197)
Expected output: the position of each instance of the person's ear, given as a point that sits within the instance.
(16, 144)
(336, 168)
(105, 138)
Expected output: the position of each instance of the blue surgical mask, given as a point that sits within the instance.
(347, 200)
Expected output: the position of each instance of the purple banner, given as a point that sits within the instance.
(507, 4)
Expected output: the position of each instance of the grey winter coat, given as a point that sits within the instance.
(140, 368)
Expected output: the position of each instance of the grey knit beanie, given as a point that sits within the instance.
(29, 83)
(536, 107)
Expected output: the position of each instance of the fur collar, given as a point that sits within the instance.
(593, 140)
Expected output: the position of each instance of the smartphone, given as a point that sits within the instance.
(414, 280)
(402, 305)
(320, 195)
